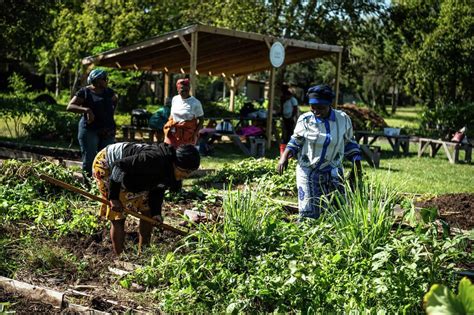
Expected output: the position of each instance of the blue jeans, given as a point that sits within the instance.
(91, 142)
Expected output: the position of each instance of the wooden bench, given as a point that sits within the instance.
(396, 142)
(129, 133)
(450, 148)
(255, 147)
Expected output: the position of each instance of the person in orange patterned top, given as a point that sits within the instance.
(186, 117)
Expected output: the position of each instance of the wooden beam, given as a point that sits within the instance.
(270, 108)
(166, 88)
(158, 52)
(140, 45)
(256, 62)
(206, 61)
(232, 94)
(338, 75)
(193, 62)
(267, 41)
(260, 37)
(185, 44)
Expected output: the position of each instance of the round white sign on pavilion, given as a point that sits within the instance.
(277, 54)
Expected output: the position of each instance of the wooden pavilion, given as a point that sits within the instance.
(207, 50)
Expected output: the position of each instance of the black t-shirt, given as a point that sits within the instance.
(102, 106)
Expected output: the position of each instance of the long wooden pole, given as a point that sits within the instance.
(193, 62)
(104, 201)
(166, 88)
(270, 108)
(338, 75)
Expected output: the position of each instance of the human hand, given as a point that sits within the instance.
(90, 116)
(116, 205)
(282, 165)
(158, 218)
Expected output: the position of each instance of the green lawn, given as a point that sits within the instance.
(414, 175)
(405, 117)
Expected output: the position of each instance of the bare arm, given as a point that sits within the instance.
(283, 162)
(76, 106)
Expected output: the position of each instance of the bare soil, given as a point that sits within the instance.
(456, 209)
(22, 305)
(102, 286)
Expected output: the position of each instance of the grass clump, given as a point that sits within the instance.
(256, 262)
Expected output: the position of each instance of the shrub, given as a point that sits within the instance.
(449, 117)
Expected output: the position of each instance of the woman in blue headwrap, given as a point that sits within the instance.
(96, 102)
(320, 141)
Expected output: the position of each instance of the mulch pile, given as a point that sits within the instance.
(456, 209)
(363, 118)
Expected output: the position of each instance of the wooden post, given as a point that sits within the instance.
(270, 108)
(338, 74)
(223, 89)
(166, 88)
(232, 94)
(192, 66)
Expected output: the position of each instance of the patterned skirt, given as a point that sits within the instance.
(137, 202)
(315, 188)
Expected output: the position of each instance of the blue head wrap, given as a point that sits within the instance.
(96, 74)
(320, 95)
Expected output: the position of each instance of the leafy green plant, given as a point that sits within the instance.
(25, 197)
(363, 216)
(441, 300)
(255, 262)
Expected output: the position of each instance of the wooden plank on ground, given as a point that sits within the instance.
(33, 292)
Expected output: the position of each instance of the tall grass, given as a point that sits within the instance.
(363, 217)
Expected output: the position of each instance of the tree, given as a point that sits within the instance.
(442, 67)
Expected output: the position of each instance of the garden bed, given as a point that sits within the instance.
(456, 209)
(256, 258)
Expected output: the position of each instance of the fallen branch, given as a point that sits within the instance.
(33, 292)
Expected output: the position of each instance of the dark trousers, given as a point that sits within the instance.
(91, 142)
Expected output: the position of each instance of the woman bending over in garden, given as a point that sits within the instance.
(96, 102)
(135, 176)
(320, 141)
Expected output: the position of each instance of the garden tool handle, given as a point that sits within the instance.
(62, 184)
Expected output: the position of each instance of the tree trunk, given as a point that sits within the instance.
(363, 98)
(394, 98)
(56, 72)
(74, 83)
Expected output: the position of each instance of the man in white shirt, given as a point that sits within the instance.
(186, 118)
(289, 113)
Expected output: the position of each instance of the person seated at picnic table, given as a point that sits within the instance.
(158, 120)
(135, 176)
(207, 136)
(321, 139)
(186, 117)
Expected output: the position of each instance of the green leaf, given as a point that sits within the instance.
(441, 301)
(466, 295)
(232, 308)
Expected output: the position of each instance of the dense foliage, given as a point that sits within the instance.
(25, 197)
(394, 53)
(262, 171)
(257, 262)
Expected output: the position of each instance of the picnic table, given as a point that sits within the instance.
(450, 148)
(396, 141)
(129, 133)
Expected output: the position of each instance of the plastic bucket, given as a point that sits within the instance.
(282, 148)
